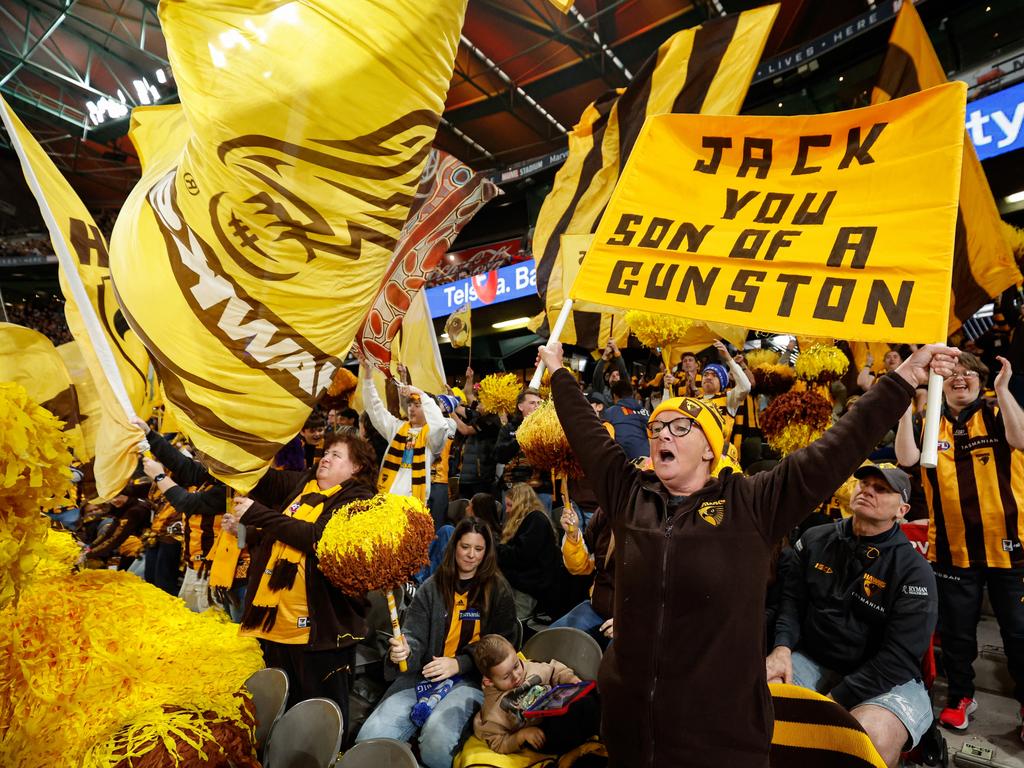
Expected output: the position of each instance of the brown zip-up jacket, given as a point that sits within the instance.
(684, 682)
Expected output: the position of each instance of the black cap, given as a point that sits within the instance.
(894, 477)
(598, 397)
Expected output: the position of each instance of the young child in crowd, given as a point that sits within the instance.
(511, 686)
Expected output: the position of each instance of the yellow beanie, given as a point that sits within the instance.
(706, 416)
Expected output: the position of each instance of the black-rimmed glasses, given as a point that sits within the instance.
(677, 427)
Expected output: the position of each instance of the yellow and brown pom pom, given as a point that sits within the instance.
(544, 443)
(498, 392)
(794, 420)
(772, 380)
(756, 357)
(376, 544)
(654, 330)
(100, 669)
(822, 364)
(34, 476)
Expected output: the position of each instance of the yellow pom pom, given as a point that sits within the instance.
(375, 544)
(96, 666)
(822, 364)
(499, 392)
(756, 357)
(544, 443)
(654, 330)
(34, 475)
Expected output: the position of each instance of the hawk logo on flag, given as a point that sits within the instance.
(459, 327)
(283, 214)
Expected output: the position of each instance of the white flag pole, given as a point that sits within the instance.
(74, 280)
(933, 415)
(556, 333)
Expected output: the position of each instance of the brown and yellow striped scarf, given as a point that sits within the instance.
(278, 578)
(393, 461)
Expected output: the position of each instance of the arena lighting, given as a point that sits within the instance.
(508, 325)
(1016, 197)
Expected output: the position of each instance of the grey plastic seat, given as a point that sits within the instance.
(307, 736)
(269, 689)
(573, 647)
(379, 753)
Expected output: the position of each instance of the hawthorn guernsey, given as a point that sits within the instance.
(813, 225)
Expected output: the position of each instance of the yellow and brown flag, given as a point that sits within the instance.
(92, 313)
(271, 203)
(704, 70)
(30, 359)
(459, 327)
(983, 264)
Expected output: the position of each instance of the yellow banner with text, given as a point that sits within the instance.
(825, 225)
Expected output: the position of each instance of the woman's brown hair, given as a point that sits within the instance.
(360, 453)
(487, 573)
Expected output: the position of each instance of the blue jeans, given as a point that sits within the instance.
(583, 616)
(440, 734)
(908, 701)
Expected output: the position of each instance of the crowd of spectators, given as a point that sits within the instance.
(451, 270)
(849, 610)
(43, 314)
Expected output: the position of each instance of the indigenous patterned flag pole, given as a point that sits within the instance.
(448, 196)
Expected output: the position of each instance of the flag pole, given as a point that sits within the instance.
(556, 334)
(78, 294)
(932, 417)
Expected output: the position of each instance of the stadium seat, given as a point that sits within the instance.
(379, 753)
(307, 736)
(269, 689)
(573, 647)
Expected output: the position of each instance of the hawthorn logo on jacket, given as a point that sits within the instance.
(872, 585)
(712, 512)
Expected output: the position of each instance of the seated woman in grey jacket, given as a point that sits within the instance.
(465, 599)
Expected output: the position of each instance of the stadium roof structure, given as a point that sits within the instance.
(73, 69)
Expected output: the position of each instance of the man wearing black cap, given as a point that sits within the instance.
(858, 612)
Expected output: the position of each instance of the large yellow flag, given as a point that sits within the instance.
(115, 356)
(983, 264)
(705, 70)
(30, 359)
(271, 201)
(822, 225)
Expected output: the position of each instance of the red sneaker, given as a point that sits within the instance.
(959, 716)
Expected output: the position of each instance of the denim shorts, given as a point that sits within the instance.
(908, 701)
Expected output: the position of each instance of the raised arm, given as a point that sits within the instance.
(606, 467)
(908, 453)
(435, 420)
(1009, 409)
(186, 471)
(383, 421)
